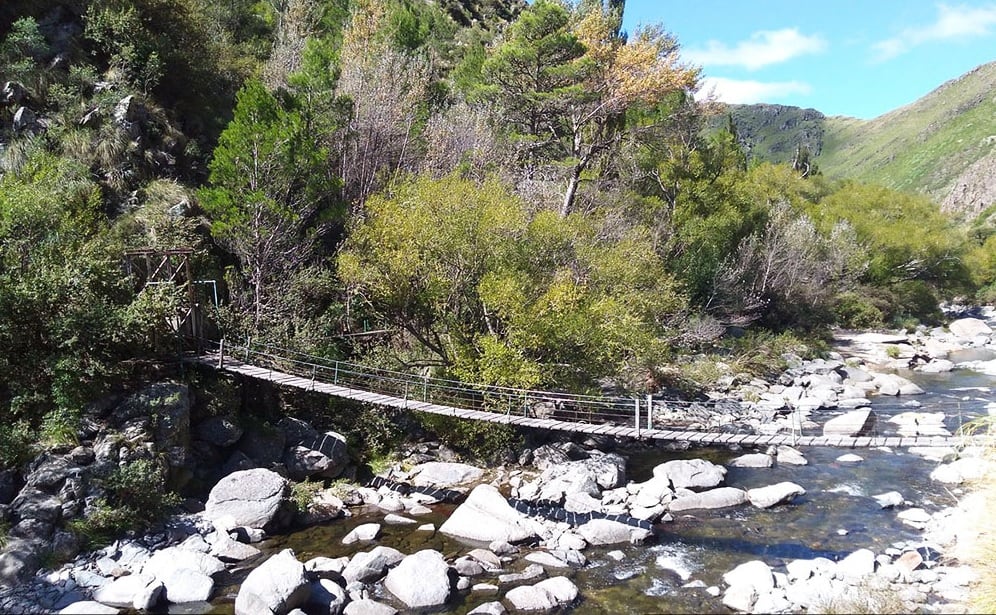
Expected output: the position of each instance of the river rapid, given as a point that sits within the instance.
(673, 571)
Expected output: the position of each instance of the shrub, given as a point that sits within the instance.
(60, 427)
(304, 492)
(370, 431)
(483, 440)
(916, 300)
(136, 497)
(763, 353)
(16, 439)
(855, 311)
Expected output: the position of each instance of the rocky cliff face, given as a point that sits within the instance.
(776, 133)
(974, 190)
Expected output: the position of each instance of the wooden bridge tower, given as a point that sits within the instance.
(151, 267)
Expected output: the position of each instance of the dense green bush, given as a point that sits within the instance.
(490, 442)
(136, 497)
(854, 311)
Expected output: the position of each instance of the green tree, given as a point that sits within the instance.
(534, 75)
(566, 82)
(21, 51)
(268, 199)
(421, 251)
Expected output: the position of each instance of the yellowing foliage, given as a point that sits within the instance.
(645, 69)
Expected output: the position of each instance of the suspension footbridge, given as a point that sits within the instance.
(619, 417)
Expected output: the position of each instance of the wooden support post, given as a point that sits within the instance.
(636, 413)
(221, 354)
(650, 411)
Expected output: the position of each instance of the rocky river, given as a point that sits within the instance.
(581, 526)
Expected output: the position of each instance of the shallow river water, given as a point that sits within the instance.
(835, 517)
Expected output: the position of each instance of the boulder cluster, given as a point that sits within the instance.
(70, 485)
(527, 526)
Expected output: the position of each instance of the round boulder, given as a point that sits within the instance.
(691, 473)
(421, 580)
(257, 498)
(278, 586)
(486, 516)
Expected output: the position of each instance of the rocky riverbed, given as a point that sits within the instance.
(521, 536)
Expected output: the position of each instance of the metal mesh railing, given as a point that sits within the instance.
(572, 407)
(633, 411)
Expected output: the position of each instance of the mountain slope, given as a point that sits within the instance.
(775, 132)
(923, 147)
(943, 145)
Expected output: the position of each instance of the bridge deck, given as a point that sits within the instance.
(621, 431)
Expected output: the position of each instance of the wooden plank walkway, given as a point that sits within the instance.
(619, 431)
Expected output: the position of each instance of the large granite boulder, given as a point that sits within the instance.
(256, 498)
(421, 580)
(19, 560)
(851, 424)
(444, 474)
(752, 460)
(169, 559)
(278, 586)
(894, 384)
(220, 431)
(966, 469)
(969, 327)
(772, 495)
(543, 596)
(370, 566)
(691, 473)
(312, 453)
(366, 606)
(530, 598)
(721, 497)
(89, 607)
(133, 591)
(185, 585)
(563, 590)
(607, 532)
(486, 516)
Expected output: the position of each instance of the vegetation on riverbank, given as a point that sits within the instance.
(978, 549)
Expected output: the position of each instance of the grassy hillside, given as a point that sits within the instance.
(924, 147)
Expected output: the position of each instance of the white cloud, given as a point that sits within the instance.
(761, 49)
(737, 92)
(952, 22)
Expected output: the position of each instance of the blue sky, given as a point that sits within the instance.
(842, 57)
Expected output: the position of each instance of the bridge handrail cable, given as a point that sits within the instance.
(455, 393)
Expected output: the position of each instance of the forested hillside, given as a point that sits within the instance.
(507, 193)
